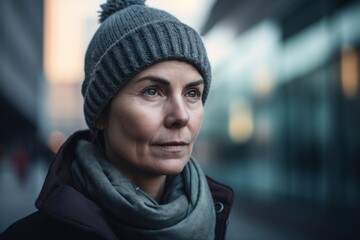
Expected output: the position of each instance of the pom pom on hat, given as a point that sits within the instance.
(112, 6)
(131, 38)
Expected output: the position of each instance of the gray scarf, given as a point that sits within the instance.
(187, 211)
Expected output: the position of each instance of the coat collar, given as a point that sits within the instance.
(60, 200)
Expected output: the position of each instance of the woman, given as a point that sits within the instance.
(131, 175)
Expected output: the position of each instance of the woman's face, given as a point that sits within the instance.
(154, 119)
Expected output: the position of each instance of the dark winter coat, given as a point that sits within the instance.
(65, 213)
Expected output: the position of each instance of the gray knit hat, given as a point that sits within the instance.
(132, 37)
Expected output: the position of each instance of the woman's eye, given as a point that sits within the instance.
(150, 91)
(194, 94)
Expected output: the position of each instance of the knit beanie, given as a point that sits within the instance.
(132, 37)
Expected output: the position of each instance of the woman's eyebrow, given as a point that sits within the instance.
(166, 82)
(154, 79)
(194, 84)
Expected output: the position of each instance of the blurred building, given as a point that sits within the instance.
(21, 66)
(22, 83)
(283, 115)
(22, 100)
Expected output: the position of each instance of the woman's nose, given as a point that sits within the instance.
(177, 114)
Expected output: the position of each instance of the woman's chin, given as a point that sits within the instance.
(171, 167)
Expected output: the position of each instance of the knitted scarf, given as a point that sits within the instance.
(186, 213)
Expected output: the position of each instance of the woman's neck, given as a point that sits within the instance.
(154, 186)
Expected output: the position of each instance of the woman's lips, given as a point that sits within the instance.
(172, 146)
